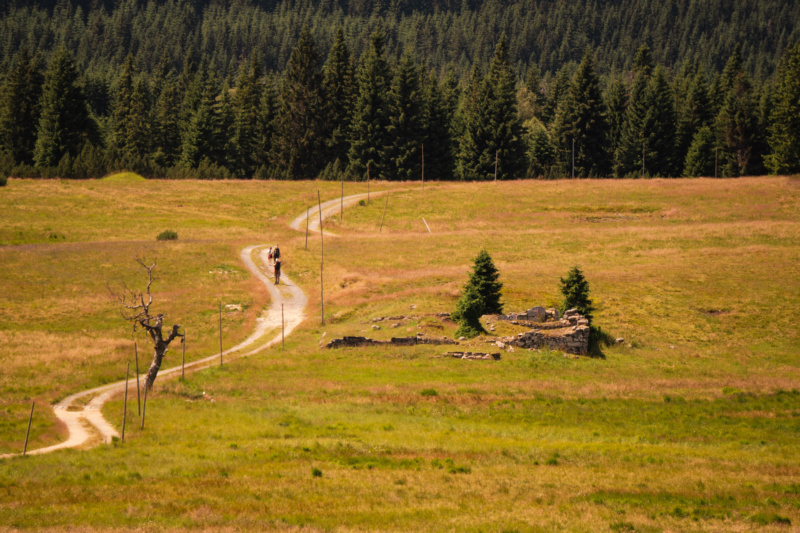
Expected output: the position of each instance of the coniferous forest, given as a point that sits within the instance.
(342, 89)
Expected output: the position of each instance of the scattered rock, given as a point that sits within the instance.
(413, 306)
(619, 340)
(462, 338)
(375, 326)
(396, 325)
(233, 307)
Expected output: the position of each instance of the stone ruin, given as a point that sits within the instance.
(348, 342)
(569, 333)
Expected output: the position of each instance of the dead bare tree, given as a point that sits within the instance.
(136, 306)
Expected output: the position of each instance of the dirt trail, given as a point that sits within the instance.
(86, 426)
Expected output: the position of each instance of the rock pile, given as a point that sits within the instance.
(535, 314)
(474, 356)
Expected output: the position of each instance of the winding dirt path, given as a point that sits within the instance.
(86, 426)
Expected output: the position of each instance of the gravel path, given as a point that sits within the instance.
(86, 426)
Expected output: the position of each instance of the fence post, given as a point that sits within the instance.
(138, 396)
(321, 261)
(183, 356)
(144, 406)
(220, 335)
(125, 404)
(27, 433)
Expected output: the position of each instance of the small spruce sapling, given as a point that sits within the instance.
(575, 289)
(481, 296)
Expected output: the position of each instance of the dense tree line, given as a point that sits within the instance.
(344, 110)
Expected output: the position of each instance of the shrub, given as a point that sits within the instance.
(167, 235)
(429, 392)
(316, 472)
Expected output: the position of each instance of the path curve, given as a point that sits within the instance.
(85, 423)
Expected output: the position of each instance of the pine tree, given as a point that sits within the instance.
(265, 132)
(696, 113)
(20, 108)
(492, 136)
(784, 132)
(224, 154)
(369, 135)
(581, 119)
(556, 92)
(139, 129)
(575, 289)
(616, 104)
(199, 140)
(65, 123)
(122, 111)
(338, 80)
(660, 127)
(166, 124)
(246, 122)
(481, 296)
(438, 147)
(405, 123)
(299, 129)
(737, 128)
(700, 156)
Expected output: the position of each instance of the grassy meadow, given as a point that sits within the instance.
(691, 424)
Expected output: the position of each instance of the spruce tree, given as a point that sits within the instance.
(265, 132)
(199, 138)
(492, 136)
(737, 127)
(405, 123)
(65, 123)
(581, 119)
(438, 148)
(369, 134)
(628, 156)
(122, 110)
(700, 156)
(695, 113)
(660, 127)
(246, 104)
(339, 81)
(481, 296)
(299, 129)
(166, 124)
(784, 131)
(19, 108)
(616, 105)
(556, 92)
(575, 289)
(139, 129)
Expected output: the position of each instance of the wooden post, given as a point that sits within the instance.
(715, 161)
(367, 182)
(138, 396)
(643, 159)
(125, 404)
(384, 209)
(220, 337)
(573, 158)
(183, 355)
(282, 328)
(321, 262)
(144, 406)
(423, 166)
(28, 433)
(308, 210)
(496, 156)
(341, 205)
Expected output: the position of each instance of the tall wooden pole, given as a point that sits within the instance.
(183, 356)
(573, 158)
(28, 433)
(138, 395)
(321, 262)
(308, 210)
(144, 405)
(220, 336)
(125, 404)
(384, 209)
(423, 166)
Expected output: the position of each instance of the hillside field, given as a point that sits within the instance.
(691, 424)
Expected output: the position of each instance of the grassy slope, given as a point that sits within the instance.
(693, 427)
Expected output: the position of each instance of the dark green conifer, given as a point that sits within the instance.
(19, 108)
(298, 147)
(660, 127)
(581, 119)
(122, 109)
(481, 296)
(616, 105)
(700, 156)
(369, 135)
(339, 81)
(405, 123)
(737, 127)
(556, 92)
(695, 113)
(166, 124)
(65, 123)
(438, 148)
(247, 103)
(784, 132)
(139, 128)
(575, 289)
(199, 138)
